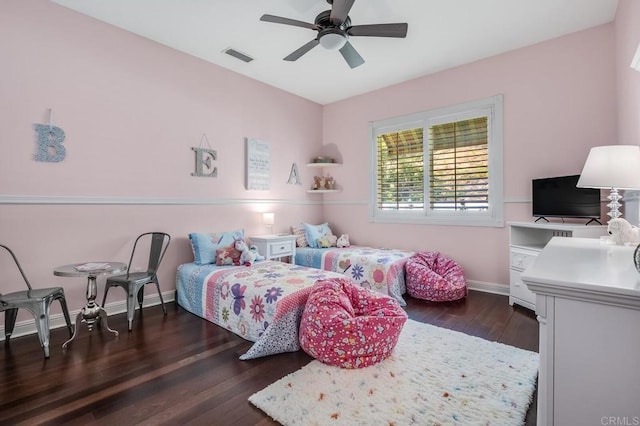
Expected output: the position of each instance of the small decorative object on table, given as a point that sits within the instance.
(636, 258)
(92, 266)
(622, 232)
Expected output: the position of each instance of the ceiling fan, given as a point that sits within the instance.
(334, 29)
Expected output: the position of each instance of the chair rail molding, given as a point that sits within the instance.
(108, 200)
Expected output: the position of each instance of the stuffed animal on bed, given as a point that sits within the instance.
(622, 232)
(327, 241)
(227, 256)
(254, 249)
(343, 241)
(247, 255)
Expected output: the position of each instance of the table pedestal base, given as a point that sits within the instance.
(90, 314)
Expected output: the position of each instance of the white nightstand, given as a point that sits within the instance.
(275, 246)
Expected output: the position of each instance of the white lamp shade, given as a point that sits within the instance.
(268, 218)
(612, 166)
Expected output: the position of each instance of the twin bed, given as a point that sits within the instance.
(381, 270)
(263, 303)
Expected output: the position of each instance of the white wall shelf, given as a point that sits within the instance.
(323, 165)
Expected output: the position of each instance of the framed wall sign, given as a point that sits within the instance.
(258, 165)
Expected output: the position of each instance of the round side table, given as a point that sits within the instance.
(92, 312)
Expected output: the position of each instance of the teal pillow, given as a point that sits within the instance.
(204, 246)
(315, 232)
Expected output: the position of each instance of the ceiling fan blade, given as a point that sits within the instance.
(287, 21)
(379, 30)
(350, 55)
(295, 55)
(340, 11)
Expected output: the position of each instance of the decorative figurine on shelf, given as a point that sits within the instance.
(319, 182)
(622, 232)
(323, 159)
(330, 183)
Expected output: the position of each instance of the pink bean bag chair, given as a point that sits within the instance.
(349, 326)
(434, 276)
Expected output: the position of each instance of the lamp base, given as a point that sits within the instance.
(614, 204)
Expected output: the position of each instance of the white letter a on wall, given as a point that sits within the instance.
(294, 176)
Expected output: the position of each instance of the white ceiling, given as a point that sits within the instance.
(442, 34)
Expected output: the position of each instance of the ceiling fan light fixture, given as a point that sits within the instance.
(332, 39)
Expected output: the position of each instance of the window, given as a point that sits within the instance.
(442, 166)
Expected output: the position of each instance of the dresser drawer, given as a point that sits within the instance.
(519, 290)
(521, 259)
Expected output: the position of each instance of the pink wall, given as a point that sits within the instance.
(131, 110)
(628, 80)
(559, 100)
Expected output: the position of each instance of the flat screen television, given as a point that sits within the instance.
(559, 197)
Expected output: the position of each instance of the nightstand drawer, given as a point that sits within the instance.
(281, 248)
(276, 246)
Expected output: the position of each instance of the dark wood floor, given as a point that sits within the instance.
(180, 369)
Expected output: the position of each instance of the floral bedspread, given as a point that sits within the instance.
(379, 269)
(262, 303)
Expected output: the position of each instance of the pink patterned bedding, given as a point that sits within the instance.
(378, 269)
(262, 303)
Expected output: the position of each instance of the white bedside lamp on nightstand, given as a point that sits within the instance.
(269, 218)
(612, 167)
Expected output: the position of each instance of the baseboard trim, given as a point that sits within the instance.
(28, 326)
(486, 287)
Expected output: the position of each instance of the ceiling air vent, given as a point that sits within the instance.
(238, 55)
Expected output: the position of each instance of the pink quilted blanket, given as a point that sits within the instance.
(262, 303)
(381, 270)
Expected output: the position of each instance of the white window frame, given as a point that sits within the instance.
(491, 107)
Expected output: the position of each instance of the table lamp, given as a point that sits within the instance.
(612, 167)
(269, 218)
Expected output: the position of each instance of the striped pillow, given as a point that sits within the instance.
(301, 236)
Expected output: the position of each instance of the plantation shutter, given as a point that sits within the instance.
(458, 165)
(400, 170)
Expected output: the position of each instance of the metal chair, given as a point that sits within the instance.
(133, 282)
(36, 301)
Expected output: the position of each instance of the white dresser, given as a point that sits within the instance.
(526, 240)
(588, 307)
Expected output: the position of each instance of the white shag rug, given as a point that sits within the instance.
(435, 376)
